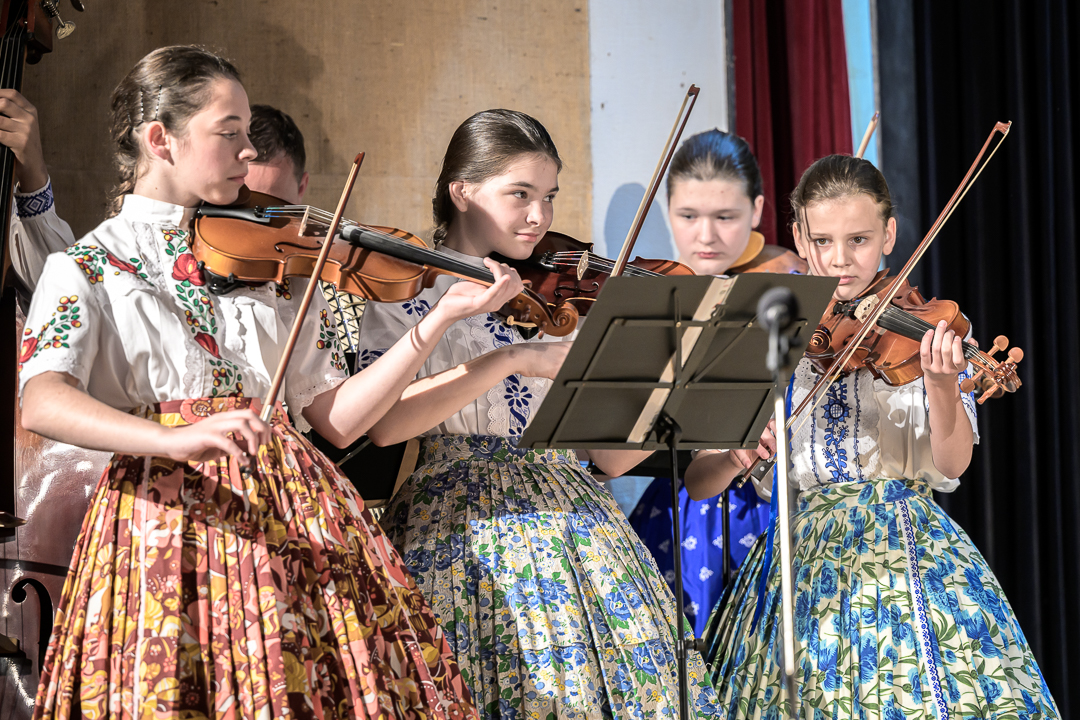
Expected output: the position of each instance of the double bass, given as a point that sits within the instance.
(44, 485)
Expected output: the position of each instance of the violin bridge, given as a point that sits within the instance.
(304, 221)
(865, 307)
(583, 265)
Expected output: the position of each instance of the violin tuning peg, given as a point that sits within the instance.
(1016, 355)
(967, 386)
(1000, 343)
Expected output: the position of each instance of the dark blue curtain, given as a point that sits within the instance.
(949, 71)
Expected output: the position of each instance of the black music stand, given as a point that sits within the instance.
(672, 363)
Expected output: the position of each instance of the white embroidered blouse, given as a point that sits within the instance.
(504, 410)
(36, 231)
(865, 430)
(125, 311)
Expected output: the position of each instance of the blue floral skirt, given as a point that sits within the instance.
(702, 540)
(897, 616)
(554, 607)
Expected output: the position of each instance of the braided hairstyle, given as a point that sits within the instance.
(170, 85)
(483, 147)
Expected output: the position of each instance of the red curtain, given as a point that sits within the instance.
(791, 94)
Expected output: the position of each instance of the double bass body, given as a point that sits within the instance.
(49, 491)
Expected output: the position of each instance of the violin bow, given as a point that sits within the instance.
(870, 128)
(875, 313)
(313, 286)
(815, 395)
(661, 167)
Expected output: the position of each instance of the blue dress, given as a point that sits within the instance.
(702, 540)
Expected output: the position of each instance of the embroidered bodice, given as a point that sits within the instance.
(864, 430)
(125, 311)
(506, 408)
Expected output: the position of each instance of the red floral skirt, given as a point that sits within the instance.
(220, 591)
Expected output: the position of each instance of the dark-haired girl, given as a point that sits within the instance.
(897, 615)
(225, 569)
(715, 201)
(552, 604)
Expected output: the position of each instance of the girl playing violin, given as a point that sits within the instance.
(897, 615)
(715, 201)
(225, 567)
(553, 605)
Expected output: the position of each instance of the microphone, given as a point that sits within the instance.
(777, 309)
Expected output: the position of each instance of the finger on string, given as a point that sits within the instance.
(16, 98)
(958, 353)
(925, 347)
(11, 109)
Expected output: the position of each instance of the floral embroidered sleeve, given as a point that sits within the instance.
(318, 361)
(62, 329)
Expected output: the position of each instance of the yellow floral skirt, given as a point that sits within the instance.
(212, 590)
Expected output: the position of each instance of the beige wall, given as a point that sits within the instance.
(390, 78)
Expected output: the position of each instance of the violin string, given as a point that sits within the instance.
(602, 264)
(597, 264)
(905, 320)
(606, 269)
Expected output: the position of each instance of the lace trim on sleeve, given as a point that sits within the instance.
(301, 400)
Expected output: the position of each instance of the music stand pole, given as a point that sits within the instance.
(670, 431)
(666, 362)
(777, 308)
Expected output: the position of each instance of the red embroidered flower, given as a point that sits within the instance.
(208, 342)
(118, 263)
(187, 268)
(29, 345)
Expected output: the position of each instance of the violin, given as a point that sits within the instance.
(892, 353)
(565, 272)
(883, 329)
(260, 239)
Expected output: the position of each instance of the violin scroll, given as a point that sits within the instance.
(995, 377)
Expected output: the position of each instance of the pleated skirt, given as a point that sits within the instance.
(219, 591)
(897, 616)
(553, 605)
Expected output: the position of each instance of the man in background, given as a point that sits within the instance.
(279, 168)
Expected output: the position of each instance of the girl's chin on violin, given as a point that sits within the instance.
(225, 193)
(518, 246)
(851, 286)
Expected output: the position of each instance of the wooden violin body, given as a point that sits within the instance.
(260, 240)
(564, 271)
(892, 350)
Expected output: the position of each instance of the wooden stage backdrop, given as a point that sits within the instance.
(390, 79)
